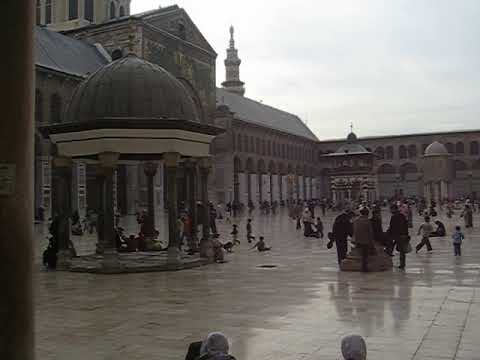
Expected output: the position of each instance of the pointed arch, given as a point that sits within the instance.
(122, 11)
(389, 152)
(89, 10)
(72, 9)
(402, 152)
(113, 10)
(474, 150)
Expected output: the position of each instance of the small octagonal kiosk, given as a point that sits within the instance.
(131, 110)
(438, 172)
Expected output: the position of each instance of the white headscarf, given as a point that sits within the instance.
(215, 343)
(354, 348)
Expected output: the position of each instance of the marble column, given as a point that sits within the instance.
(271, 188)
(191, 168)
(16, 187)
(206, 249)
(106, 170)
(63, 210)
(150, 169)
(171, 165)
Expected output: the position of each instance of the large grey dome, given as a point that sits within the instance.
(436, 148)
(131, 88)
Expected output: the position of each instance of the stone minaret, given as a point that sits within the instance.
(232, 82)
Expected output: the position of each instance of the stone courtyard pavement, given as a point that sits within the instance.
(298, 310)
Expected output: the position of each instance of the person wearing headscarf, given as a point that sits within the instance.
(215, 347)
(354, 348)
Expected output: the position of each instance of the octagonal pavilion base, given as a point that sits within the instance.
(138, 262)
(378, 261)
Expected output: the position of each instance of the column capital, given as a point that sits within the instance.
(171, 159)
(108, 159)
(62, 162)
(150, 168)
(205, 164)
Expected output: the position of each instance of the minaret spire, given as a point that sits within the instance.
(232, 82)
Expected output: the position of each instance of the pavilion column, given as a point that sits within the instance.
(192, 200)
(280, 186)
(271, 188)
(206, 247)
(16, 184)
(63, 210)
(107, 165)
(150, 170)
(171, 166)
(260, 187)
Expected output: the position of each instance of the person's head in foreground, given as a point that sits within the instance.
(215, 346)
(354, 348)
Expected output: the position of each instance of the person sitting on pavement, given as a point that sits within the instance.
(260, 245)
(440, 230)
(354, 348)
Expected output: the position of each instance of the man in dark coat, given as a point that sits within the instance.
(398, 233)
(342, 229)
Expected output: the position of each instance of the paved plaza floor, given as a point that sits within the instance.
(299, 309)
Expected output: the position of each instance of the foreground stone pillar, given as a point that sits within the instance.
(171, 164)
(63, 209)
(16, 184)
(150, 170)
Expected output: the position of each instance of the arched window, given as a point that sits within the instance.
(89, 11)
(449, 147)
(55, 108)
(252, 144)
(239, 142)
(269, 148)
(245, 143)
(182, 32)
(48, 11)
(122, 11)
(412, 151)
(73, 9)
(38, 106)
(283, 150)
(389, 152)
(460, 148)
(424, 147)
(380, 151)
(474, 148)
(38, 13)
(402, 152)
(112, 11)
(263, 147)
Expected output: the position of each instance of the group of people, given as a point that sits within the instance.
(216, 347)
(366, 231)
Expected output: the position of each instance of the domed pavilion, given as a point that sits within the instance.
(131, 111)
(438, 172)
(350, 169)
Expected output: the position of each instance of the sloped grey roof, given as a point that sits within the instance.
(260, 114)
(62, 53)
(349, 149)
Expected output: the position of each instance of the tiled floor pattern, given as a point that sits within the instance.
(298, 310)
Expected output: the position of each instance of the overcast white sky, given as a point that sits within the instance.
(388, 66)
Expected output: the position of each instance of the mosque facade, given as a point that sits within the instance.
(264, 154)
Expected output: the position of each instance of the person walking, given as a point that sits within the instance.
(341, 230)
(398, 234)
(425, 230)
(458, 238)
(363, 236)
(249, 230)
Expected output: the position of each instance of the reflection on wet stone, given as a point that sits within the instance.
(298, 310)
